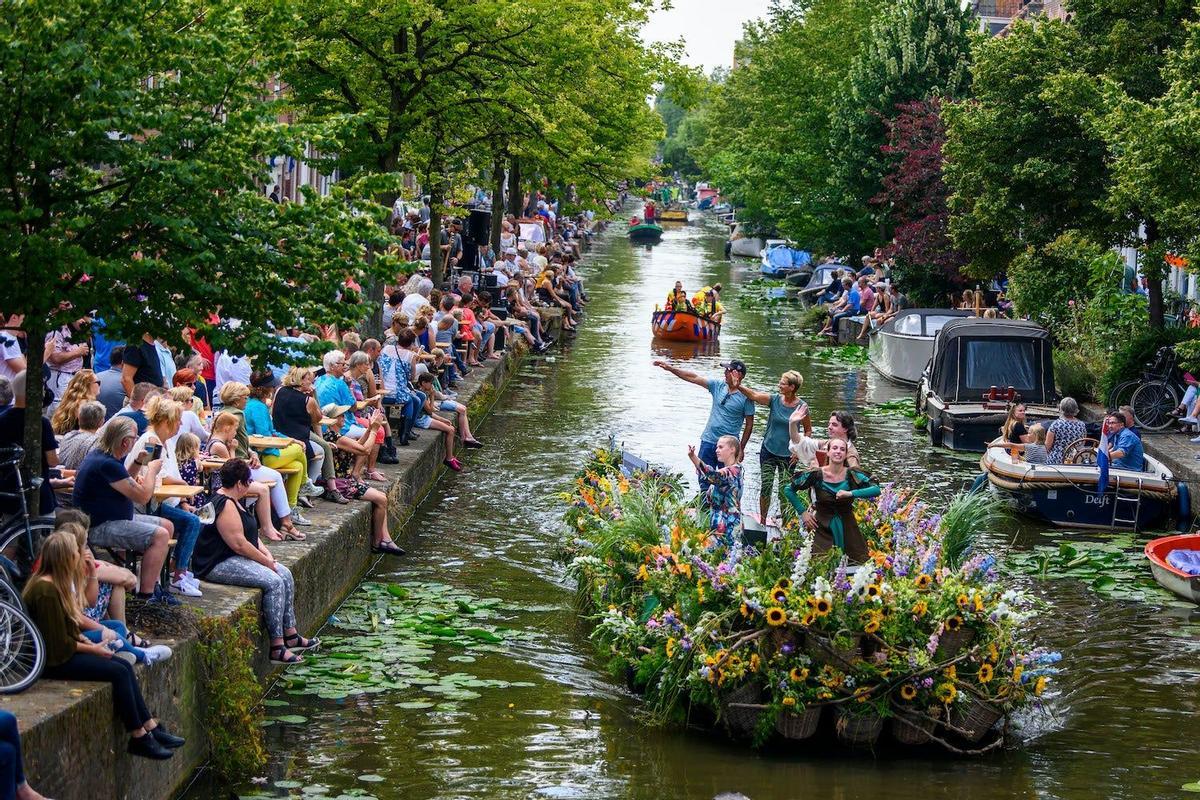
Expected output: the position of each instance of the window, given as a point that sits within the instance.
(1001, 363)
(933, 324)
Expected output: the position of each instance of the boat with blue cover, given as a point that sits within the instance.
(779, 260)
(1175, 564)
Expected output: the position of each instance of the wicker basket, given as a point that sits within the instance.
(911, 728)
(953, 642)
(824, 651)
(785, 636)
(858, 730)
(798, 725)
(741, 720)
(973, 718)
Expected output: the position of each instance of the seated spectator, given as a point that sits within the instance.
(104, 598)
(483, 310)
(392, 307)
(349, 458)
(1064, 431)
(13, 785)
(428, 419)
(80, 388)
(1124, 446)
(234, 397)
(230, 553)
(447, 404)
(518, 308)
(833, 291)
(260, 423)
(53, 602)
(160, 440)
(142, 392)
(849, 306)
(187, 456)
(396, 362)
(360, 377)
(332, 388)
(222, 445)
(194, 413)
(296, 414)
(74, 445)
(106, 491)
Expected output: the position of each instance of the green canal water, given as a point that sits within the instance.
(1120, 721)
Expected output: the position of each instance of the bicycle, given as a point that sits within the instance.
(1158, 394)
(22, 651)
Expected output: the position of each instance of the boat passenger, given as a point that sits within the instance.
(1126, 413)
(1124, 447)
(715, 311)
(1064, 431)
(1013, 429)
(729, 407)
(700, 301)
(773, 456)
(721, 490)
(677, 300)
(824, 498)
(1034, 449)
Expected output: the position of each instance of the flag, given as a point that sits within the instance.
(1102, 459)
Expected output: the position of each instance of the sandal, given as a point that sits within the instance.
(293, 535)
(137, 641)
(388, 548)
(281, 655)
(298, 642)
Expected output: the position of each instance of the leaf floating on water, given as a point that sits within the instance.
(1194, 786)
(415, 704)
(274, 703)
(288, 784)
(371, 778)
(396, 590)
(291, 719)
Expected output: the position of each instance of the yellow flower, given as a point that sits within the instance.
(783, 583)
(1039, 685)
(920, 608)
(873, 590)
(908, 691)
(923, 581)
(824, 694)
(734, 662)
(951, 672)
(776, 617)
(754, 662)
(779, 595)
(963, 601)
(745, 610)
(985, 673)
(978, 603)
(993, 653)
(642, 574)
(822, 607)
(808, 619)
(789, 701)
(671, 647)
(946, 692)
(954, 623)
(798, 674)
(1017, 670)
(872, 625)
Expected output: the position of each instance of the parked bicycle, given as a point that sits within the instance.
(22, 651)
(1155, 393)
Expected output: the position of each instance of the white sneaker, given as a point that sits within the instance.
(156, 652)
(298, 519)
(184, 587)
(1195, 440)
(310, 489)
(192, 581)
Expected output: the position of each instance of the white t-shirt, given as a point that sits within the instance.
(231, 368)
(9, 349)
(190, 423)
(170, 465)
(412, 304)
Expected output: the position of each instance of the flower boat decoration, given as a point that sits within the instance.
(923, 641)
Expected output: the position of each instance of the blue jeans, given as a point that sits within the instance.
(187, 530)
(122, 632)
(12, 766)
(708, 454)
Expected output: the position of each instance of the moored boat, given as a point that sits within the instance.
(673, 215)
(817, 281)
(1067, 495)
(779, 260)
(1169, 576)
(901, 347)
(684, 326)
(978, 367)
(645, 233)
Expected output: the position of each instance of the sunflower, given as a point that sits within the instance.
(985, 673)
(734, 662)
(979, 603)
(779, 595)
(1039, 686)
(822, 607)
(745, 610)
(920, 608)
(946, 692)
(798, 674)
(872, 625)
(789, 701)
(1017, 670)
(954, 623)
(923, 581)
(776, 617)
(993, 653)
(873, 590)
(824, 694)
(908, 692)
(963, 601)
(671, 647)
(808, 619)
(783, 583)
(754, 662)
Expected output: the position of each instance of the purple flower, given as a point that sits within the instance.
(787, 649)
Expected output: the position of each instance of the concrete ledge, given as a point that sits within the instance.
(75, 749)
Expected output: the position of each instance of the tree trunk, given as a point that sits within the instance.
(436, 268)
(516, 200)
(35, 401)
(497, 205)
(1154, 270)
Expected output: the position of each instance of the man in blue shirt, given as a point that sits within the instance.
(732, 412)
(1124, 447)
(849, 306)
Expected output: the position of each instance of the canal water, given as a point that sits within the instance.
(1120, 721)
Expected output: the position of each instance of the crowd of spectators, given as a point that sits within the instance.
(165, 466)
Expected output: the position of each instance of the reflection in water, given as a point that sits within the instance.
(1119, 725)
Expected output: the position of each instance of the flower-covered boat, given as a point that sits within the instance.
(786, 644)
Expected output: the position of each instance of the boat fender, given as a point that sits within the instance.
(1184, 523)
(980, 481)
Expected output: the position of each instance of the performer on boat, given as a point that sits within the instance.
(677, 300)
(721, 490)
(824, 498)
(650, 213)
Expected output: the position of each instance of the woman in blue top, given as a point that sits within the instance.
(774, 456)
(259, 423)
(825, 500)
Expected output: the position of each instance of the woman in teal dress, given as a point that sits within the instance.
(825, 497)
(721, 490)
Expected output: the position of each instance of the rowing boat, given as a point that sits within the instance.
(1169, 577)
(684, 326)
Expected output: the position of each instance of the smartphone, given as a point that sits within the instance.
(155, 450)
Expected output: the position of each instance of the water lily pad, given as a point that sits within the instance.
(274, 703)
(288, 784)
(462, 659)
(370, 778)
(1194, 786)
(415, 704)
(292, 719)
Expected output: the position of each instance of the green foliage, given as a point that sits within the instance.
(1130, 359)
(1075, 376)
(1045, 282)
(232, 715)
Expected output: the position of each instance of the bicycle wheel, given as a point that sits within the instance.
(1122, 394)
(14, 546)
(22, 652)
(1153, 403)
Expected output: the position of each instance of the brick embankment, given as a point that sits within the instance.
(75, 749)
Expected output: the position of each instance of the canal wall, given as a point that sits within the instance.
(75, 749)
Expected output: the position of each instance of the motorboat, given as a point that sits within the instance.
(742, 245)
(819, 280)
(645, 233)
(901, 347)
(1171, 577)
(673, 215)
(779, 259)
(978, 367)
(1067, 495)
(684, 326)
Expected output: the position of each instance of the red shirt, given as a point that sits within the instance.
(468, 323)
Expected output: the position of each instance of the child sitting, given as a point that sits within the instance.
(1034, 451)
(187, 454)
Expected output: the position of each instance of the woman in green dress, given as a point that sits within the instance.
(824, 498)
